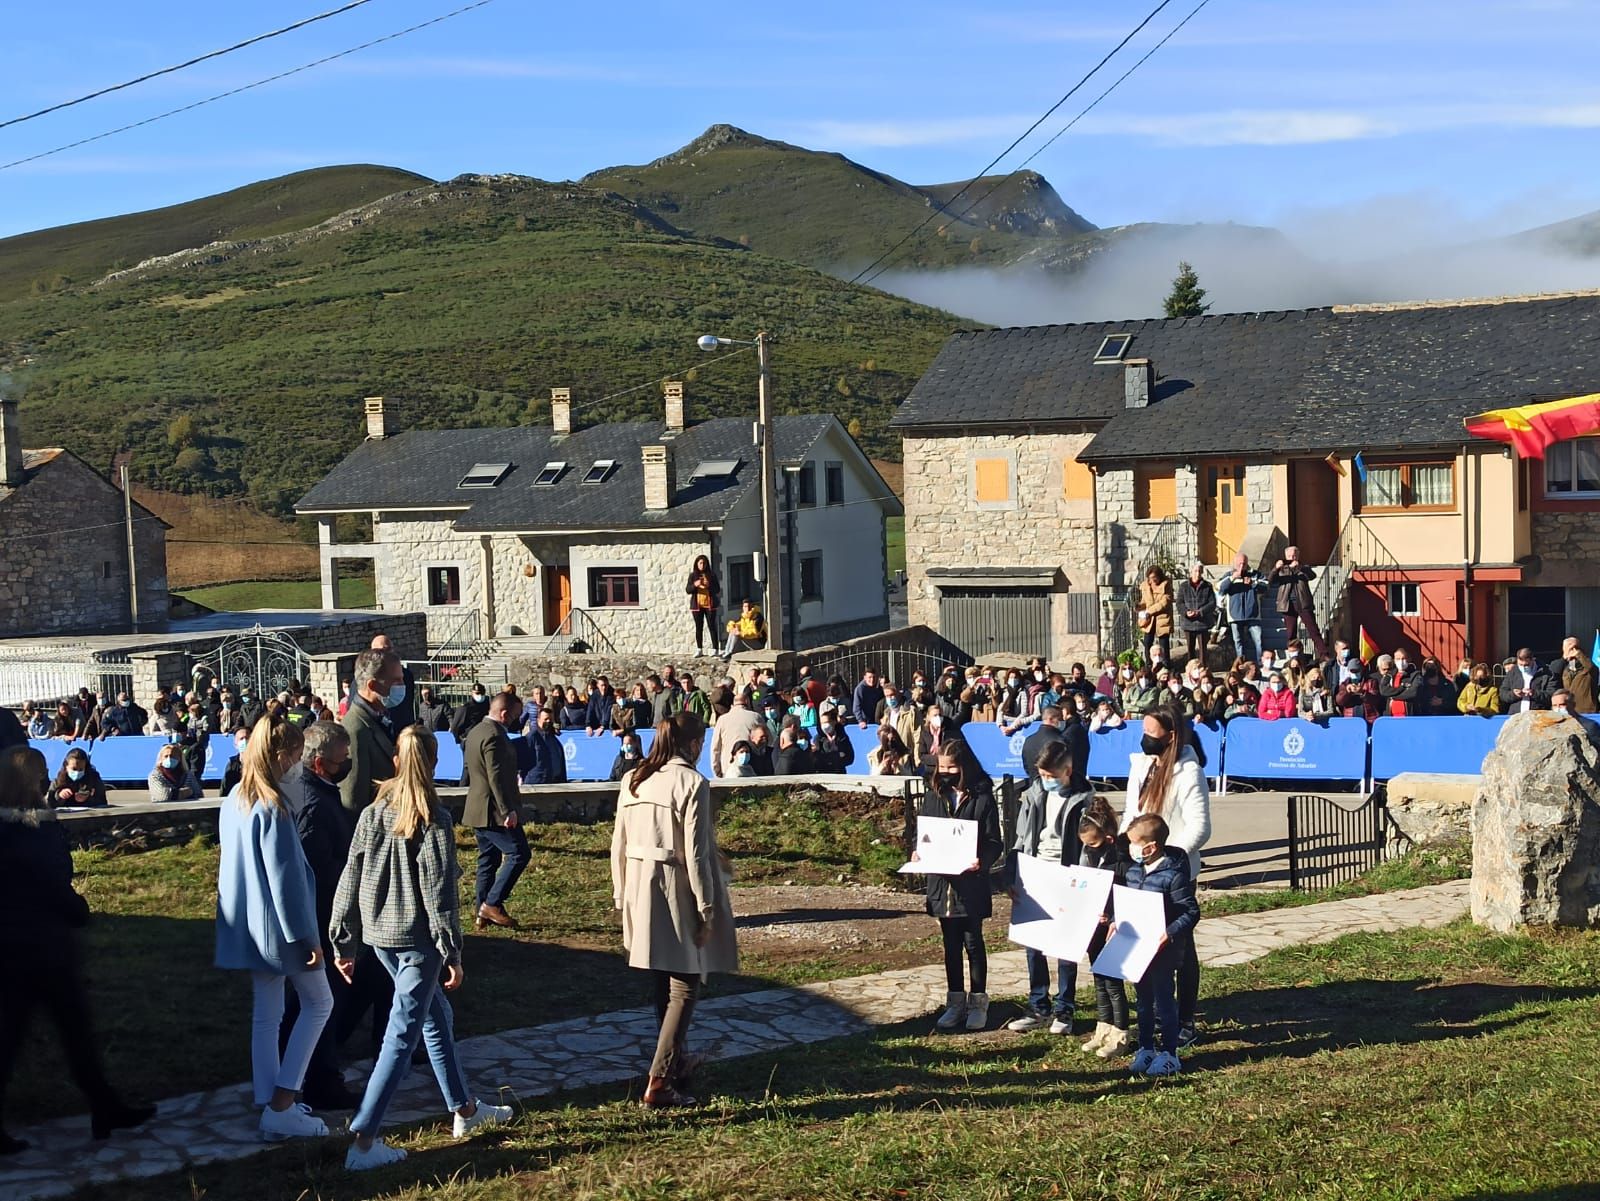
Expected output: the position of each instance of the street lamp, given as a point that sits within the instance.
(769, 506)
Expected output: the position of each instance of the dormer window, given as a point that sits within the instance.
(1113, 347)
(600, 472)
(549, 475)
(714, 469)
(484, 475)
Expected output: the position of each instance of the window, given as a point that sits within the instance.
(714, 469)
(1573, 468)
(1113, 348)
(484, 475)
(550, 474)
(444, 585)
(1430, 487)
(610, 587)
(1077, 482)
(601, 469)
(805, 491)
(835, 483)
(992, 481)
(1404, 600)
(741, 582)
(1155, 493)
(811, 576)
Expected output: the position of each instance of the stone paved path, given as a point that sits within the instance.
(221, 1124)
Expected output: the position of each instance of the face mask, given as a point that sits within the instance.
(1051, 784)
(1432, 673)
(800, 744)
(338, 774)
(1151, 745)
(936, 720)
(74, 773)
(828, 727)
(1140, 851)
(742, 759)
(918, 681)
(1559, 710)
(1175, 685)
(170, 763)
(1038, 677)
(1401, 664)
(949, 778)
(629, 753)
(1012, 681)
(396, 695)
(1127, 673)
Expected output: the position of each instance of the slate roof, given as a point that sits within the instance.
(1301, 381)
(422, 469)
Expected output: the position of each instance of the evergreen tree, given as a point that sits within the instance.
(1187, 298)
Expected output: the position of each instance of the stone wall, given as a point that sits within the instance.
(1429, 810)
(64, 567)
(1037, 527)
(622, 670)
(661, 624)
(1567, 545)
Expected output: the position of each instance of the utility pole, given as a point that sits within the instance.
(133, 562)
(769, 503)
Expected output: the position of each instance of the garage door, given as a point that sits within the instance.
(981, 620)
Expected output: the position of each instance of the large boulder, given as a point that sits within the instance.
(1536, 826)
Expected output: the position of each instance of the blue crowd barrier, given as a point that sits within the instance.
(996, 753)
(1214, 743)
(1293, 749)
(1110, 750)
(448, 769)
(863, 742)
(128, 759)
(1433, 744)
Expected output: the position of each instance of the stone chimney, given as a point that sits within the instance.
(677, 406)
(377, 418)
(1136, 377)
(10, 443)
(658, 477)
(561, 411)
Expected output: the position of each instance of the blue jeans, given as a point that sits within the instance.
(502, 855)
(1157, 994)
(1039, 985)
(420, 1013)
(1246, 639)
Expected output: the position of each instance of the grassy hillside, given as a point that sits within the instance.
(50, 259)
(827, 211)
(466, 301)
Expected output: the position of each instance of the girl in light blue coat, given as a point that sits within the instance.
(267, 925)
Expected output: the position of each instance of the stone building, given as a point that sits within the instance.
(64, 545)
(590, 532)
(1048, 467)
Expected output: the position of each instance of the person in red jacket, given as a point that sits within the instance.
(1278, 699)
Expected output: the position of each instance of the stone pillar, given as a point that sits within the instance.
(330, 671)
(329, 567)
(1536, 826)
(486, 566)
(151, 669)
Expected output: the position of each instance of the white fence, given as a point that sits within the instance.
(51, 673)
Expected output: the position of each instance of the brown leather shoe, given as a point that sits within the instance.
(660, 1094)
(497, 916)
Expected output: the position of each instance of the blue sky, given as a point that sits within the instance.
(1408, 120)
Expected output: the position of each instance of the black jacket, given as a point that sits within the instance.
(549, 758)
(1033, 746)
(967, 895)
(435, 717)
(37, 900)
(1542, 685)
(326, 828)
(11, 731)
(793, 761)
(470, 714)
(832, 756)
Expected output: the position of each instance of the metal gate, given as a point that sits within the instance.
(1330, 844)
(268, 661)
(982, 621)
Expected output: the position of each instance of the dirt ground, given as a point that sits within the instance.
(866, 924)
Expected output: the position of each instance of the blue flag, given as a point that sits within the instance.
(1595, 653)
(1361, 474)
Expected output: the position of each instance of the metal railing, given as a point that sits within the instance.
(1330, 844)
(51, 673)
(460, 638)
(1357, 548)
(578, 626)
(929, 654)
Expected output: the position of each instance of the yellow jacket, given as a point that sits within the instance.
(1477, 698)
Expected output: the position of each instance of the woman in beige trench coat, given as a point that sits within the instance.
(668, 880)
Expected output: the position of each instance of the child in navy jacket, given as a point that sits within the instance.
(1155, 870)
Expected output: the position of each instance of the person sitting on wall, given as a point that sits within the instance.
(78, 783)
(747, 632)
(172, 779)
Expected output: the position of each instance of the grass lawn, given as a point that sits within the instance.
(894, 540)
(1420, 1065)
(279, 594)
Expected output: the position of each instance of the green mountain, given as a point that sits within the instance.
(50, 259)
(829, 212)
(237, 365)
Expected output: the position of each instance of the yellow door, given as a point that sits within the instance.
(1224, 512)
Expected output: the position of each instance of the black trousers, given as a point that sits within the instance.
(47, 973)
(964, 935)
(1165, 641)
(705, 622)
(1110, 996)
(1188, 983)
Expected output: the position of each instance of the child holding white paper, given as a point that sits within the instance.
(1103, 849)
(1154, 869)
(1047, 828)
(959, 789)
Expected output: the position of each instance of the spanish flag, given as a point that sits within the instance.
(1366, 648)
(1532, 428)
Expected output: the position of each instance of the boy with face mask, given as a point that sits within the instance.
(1155, 870)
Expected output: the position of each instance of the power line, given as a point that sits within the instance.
(117, 87)
(245, 87)
(1089, 108)
(1043, 117)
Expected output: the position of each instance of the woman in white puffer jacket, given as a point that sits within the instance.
(1166, 777)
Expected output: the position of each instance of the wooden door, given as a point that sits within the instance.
(557, 597)
(1224, 512)
(1313, 509)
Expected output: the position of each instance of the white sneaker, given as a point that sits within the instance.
(1061, 1026)
(1164, 1064)
(977, 1010)
(484, 1115)
(380, 1155)
(955, 1012)
(1027, 1022)
(295, 1122)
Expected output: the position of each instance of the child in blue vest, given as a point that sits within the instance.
(1154, 870)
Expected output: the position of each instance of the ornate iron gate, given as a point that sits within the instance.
(267, 660)
(1329, 844)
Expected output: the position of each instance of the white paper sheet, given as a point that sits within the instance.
(1141, 920)
(1057, 908)
(946, 846)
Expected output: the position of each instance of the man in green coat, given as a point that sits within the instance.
(376, 688)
